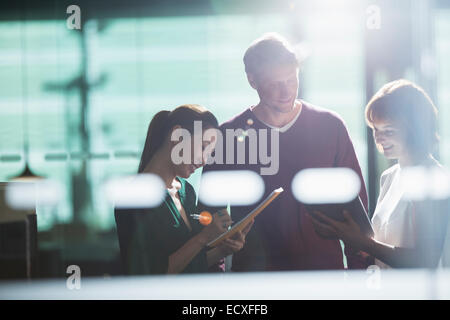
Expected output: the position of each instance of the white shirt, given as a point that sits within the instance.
(286, 126)
(393, 220)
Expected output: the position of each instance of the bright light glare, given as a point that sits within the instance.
(295, 285)
(420, 183)
(137, 191)
(241, 187)
(28, 195)
(326, 185)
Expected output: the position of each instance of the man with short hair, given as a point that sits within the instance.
(283, 236)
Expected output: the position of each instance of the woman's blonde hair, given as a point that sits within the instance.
(408, 106)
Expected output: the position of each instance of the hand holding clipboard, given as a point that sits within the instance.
(247, 219)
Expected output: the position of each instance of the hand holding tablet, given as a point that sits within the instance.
(355, 208)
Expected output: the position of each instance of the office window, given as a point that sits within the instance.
(37, 59)
(134, 68)
(333, 74)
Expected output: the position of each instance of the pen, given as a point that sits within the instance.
(204, 217)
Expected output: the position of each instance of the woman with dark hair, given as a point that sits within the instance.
(407, 233)
(167, 239)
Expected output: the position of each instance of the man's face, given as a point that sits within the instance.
(277, 87)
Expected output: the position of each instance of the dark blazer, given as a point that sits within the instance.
(148, 236)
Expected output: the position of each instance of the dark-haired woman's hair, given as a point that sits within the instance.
(408, 106)
(163, 122)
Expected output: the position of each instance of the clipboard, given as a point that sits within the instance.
(246, 220)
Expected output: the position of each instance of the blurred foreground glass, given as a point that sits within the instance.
(28, 195)
(241, 187)
(326, 185)
(136, 191)
(421, 183)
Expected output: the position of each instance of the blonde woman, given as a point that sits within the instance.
(407, 234)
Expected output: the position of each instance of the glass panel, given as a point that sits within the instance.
(333, 75)
(442, 24)
(38, 59)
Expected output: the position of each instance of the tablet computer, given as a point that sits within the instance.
(335, 211)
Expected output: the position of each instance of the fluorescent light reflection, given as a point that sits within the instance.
(28, 195)
(241, 187)
(326, 185)
(420, 183)
(137, 191)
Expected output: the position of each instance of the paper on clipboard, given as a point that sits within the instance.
(246, 220)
